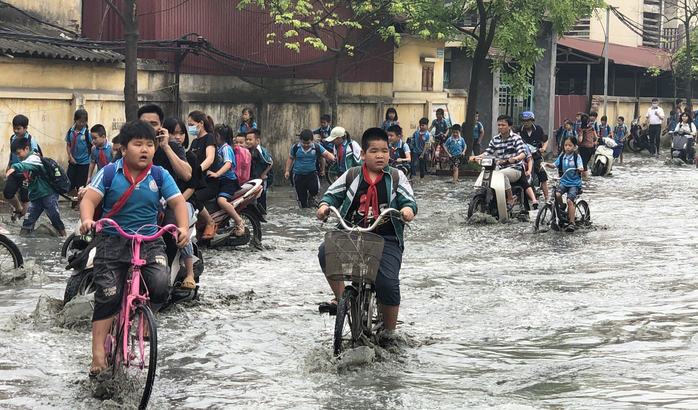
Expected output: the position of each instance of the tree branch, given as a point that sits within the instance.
(116, 10)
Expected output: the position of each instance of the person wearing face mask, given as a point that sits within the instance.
(200, 127)
(655, 116)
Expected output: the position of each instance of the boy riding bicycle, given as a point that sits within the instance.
(129, 191)
(360, 194)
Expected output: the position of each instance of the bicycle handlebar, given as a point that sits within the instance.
(564, 173)
(370, 228)
(172, 229)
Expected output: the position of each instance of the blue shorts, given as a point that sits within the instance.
(228, 187)
(572, 191)
(617, 150)
(388, 279)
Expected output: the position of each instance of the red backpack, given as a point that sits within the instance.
(243, 160)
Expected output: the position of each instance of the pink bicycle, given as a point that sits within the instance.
(131, 350)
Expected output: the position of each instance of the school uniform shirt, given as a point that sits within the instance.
(594, 125)
(455, 146)
(387, 124)
(572, 178)
(305, 161)
(577, 127)
(479, 131)
(604, 131)
(102, 156)
(79, 145)
(260, 161)
(619, 132)
(244, 127)
(226, 154)
(395, 151)
(420, 140)
(348, 154)
(140, 212)
(34, 147)
(441, 126)
(33, 170)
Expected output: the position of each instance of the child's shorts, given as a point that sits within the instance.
(228, 187)
(572, 191)
(455, 162)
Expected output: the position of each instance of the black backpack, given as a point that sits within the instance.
(55, 176)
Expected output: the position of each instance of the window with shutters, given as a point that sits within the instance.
(427, 78)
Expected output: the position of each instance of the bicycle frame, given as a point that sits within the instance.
(132, 291)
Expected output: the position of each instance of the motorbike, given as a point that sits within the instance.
(682, 146)
(639, 138)
(10, 256)
(489, 196)
(603, 157)
(80, 251)
(250, 212)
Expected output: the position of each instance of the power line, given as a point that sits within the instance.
(37, 19)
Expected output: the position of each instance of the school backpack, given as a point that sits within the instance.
(353, 172)
(243, 160)
(110, 171)
(55, 175)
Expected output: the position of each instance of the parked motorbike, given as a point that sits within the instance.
(489, 196)
(10, 256)
(249, 211)
(639, 138)
(602, 161)
(682, 146)
(80, 251)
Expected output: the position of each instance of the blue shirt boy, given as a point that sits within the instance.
(140, 213)
(226, 154)
(478, 130)
(571, 178)
(441, 127)
(107, 154)
(304, 161)
(619, 132)
(34, 147)
(455, 146)
(80, 151)
(419, 140)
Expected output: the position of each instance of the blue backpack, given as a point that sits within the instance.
(110, 171)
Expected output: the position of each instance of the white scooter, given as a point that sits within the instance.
(489, 196)
(603, 157)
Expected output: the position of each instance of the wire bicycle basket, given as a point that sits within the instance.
(353, 256)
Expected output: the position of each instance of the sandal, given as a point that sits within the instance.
(188, 283)
(209, 232)
(17, 215)
(330, 308)
(239, 229)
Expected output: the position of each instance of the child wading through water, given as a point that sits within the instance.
(324, 131)
(101, 151)
(79, 147)
(620, 134)
(303, 157)
(360, 194)
(247, 120)
(227, 179)
(571, 183)
(262, 164)
(131, 200)
(400, 154)
(42, 197)
(390, 119)
(420, 145)
(16, 181)
(455, 149)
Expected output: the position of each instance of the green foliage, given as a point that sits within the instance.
(517, 25)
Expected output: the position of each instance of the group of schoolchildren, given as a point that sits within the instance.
(588, 131)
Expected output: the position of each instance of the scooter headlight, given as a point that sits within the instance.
(486, 162)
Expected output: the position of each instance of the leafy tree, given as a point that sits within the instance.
(340, 27)
(129, 18)
(506, 32)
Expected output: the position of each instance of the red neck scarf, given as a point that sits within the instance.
(74, 141)
(125, 196)
(340, 152)
(371, 203)
(102, 159)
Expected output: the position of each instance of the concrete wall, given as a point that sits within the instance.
(408, 63)
(65, 13)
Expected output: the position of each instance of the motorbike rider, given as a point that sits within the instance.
(534, 135)
(510, 150)
(686, 126)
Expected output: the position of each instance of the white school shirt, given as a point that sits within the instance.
(654, 118)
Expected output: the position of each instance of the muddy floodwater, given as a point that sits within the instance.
(492, 316)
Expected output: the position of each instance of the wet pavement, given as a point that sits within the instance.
(492, 315)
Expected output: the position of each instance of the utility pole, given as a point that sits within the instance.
(605, 68)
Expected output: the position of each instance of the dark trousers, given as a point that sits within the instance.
(78, 175)
(305, 186)
(420, 163)
(14, 183)
(655, 132)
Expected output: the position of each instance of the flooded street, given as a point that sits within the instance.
(493, 315)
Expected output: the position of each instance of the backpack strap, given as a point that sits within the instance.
(353, 172)
(295, 149)
(110, 171)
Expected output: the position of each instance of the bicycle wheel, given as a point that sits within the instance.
(79, 284)
(373, 320)
(346, 320)
(545, 218)
(582, 215)
(331, 172)
(10, 256)
(142, 353)
(66, 244)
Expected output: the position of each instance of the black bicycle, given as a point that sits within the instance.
(354, 254)
(552, 216)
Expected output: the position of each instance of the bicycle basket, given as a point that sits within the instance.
(354, 256)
